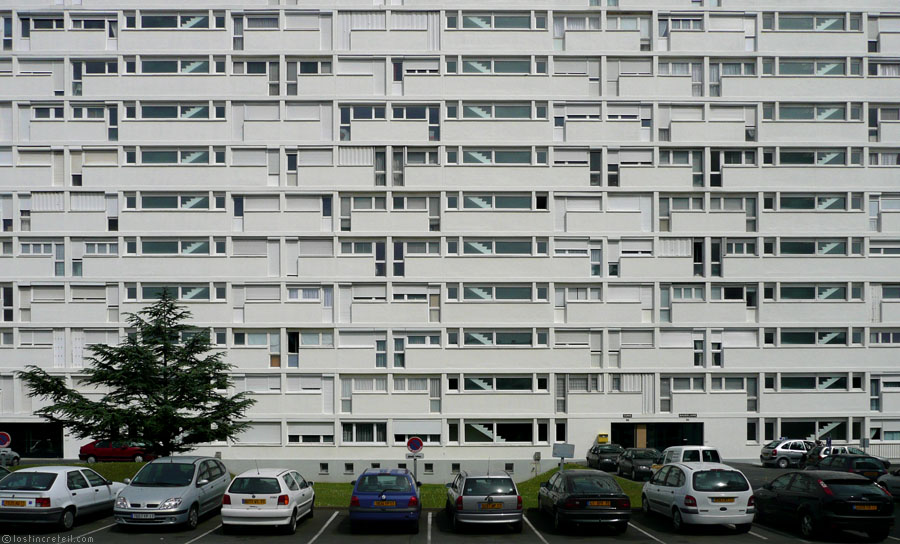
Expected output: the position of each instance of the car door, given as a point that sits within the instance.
(102, 494)
(798, 494)
(101, 450)
(80, 492)
(205, 490)
(768, 496)
(653, 487)
(674, 482)
(796, 451)
(222, 479)
(307, 493)
(293, 490)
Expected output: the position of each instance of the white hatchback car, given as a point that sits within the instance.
(55, 495)
(268, 496)
(702, 494)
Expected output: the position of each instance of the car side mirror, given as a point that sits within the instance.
(126, 481)
(310, 484)
(418, 484)
(201, 483)
(448, 485)
(545, 485)
(767, 485)
(109, 482)
(353, 482)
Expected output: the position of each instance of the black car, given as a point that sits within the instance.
(585, 496)
(865, 465)
(824, 500)
(637, 462)
(604, 456)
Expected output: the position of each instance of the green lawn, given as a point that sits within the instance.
(338, 494)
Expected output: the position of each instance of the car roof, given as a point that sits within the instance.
(497, 474)
(827, 474)
(584, 472)
(854, 456)
(180, 459)
(263, 472)
(703, 466)
(54, 470)
(391, 471)
(679, 448)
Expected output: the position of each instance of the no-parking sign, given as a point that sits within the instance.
(5, 440)
(415, 444)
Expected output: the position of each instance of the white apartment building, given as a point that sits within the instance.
(496, 226)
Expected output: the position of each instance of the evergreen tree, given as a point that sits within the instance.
(161, 386)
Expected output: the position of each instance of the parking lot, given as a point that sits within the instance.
(331, 526)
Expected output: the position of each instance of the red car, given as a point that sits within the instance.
(115, 450)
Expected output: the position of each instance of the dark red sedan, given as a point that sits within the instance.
(115, 450)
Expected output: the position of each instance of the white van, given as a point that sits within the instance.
(690, 454)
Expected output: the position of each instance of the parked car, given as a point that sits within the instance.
(172, 491)
(8, 457)
(604, 456)
(702, 494)
(385, 495)
(815, 455)
(584, 496)
(637, 462)
(115, 450)
(687, 454)
(824, 500)
(57, 495)
(785, 452)
(3, 472)
(268, 496)
(891, 482)
(866, 465)
(484, 498)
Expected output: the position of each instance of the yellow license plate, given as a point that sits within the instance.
(14, 503)
(491, 505)
(723, 499)
(254, 501)
(599, 503)
(865, 507)
(385, 503)
(870, 474)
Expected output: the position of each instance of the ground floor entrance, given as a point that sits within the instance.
(656, 435)
(35, 439)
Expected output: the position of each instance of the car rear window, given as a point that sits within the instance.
(843, 489)
(28, 481)
(254, 485)
(720, 480)
(868, 464)
(608, 449)
(489, 486)
(591, 484)
(708, 456)
(773, 444)
(376, 483)
(646, 454)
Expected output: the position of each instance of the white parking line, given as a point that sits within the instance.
(203, 535)
(757, 535)
(96, 530)
(645, 532)
(322, 530)
(893, 537)
(429, 526)
(539, 535)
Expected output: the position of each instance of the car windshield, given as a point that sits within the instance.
(855, 451)
(707, 456)
(377, 483)
(590, 483)
(608, 449)
(28, 481)
(646, 454)
(869, 463)
(844, 489)
(254, 485)
(165, 475)
(720, 480)
(489, 486)
(773, 444)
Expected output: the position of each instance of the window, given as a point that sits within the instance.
(504, 432)
(363, 433)
(474, 338)
(813, 337)
(500, 65)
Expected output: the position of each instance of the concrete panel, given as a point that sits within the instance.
(712, 132)
(650, 178)
(817, 132)
(591, 41)
(506, 41)
(167, 221)
(772, 313)
(600, 223)
(71, 40)
(415, 132)
(683, 222)
(414, 313)
(284, 131)
(154, 177)
(462, 131)
(815, 222)
(267, 41)
(590, 132)
(663, 87)
(663, 268)
(808, 268)
(813, 43)
(604, 314)
(368, 41)
(336, 267)
(495, 221)
(713, 313)
(67, 222)
(68, 131)
(396, 222)
(171, 131)
(26, 176)
(62, 314)
(174, 40)
(175, 85)
(805, 178)
(494, 313)
(36, 86)
(731, 41)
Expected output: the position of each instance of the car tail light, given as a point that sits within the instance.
(751, 501)
(354, 501)
(518, 502)
(826, 489)
(884, 489)
(624, 504)
(572, 503)
(459, 502)
(689, 500)
(42, 502)
(226, 499)
(413, 501)
(283, 500)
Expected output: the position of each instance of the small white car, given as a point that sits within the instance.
(268, 496)
(702, 494)
(55, 495)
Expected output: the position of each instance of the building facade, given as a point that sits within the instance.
(672, 221)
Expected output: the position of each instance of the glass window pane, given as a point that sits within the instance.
(477, 66)
(512, 157)
(512, 21)
(512, 66)
(477, 156)
(513, 293)
(159, 112)
(513, 247)
(159, 157)
(159, 66)
(796, 67)
(513, 112)
(476, 21)
(159, 202)
(795, 22)
(520, 202)
(514, 338)
(796, 112)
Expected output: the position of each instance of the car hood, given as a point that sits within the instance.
(642, 462)
(608, 455)
(142, 494)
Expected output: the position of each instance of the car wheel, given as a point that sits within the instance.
(138, 458)
(517, 526)
(743, 527)
(877, 535)
(783, 463)
(91, 459)
(193, 517)
(645, 505)
(677, 520)
(808, 525)
(291, 526)
(67, 519)
(620, 528)
(15, 461)
(558, 524)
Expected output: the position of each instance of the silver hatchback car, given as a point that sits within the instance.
(484, 498)
(172, 491)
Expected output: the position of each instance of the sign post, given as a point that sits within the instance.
(563, 451)
(5, 441)
(415, 445)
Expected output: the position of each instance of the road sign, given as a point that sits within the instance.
(415, 444)
(564, 450)
(415, 456)
(5, 440)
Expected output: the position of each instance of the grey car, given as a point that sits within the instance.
(637, 462)
(172, 491)
(785, 452)
(484, 498)
(891, 482)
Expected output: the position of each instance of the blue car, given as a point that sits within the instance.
(389, 495)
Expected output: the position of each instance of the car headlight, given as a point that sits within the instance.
(170, 503)
(121, 502)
